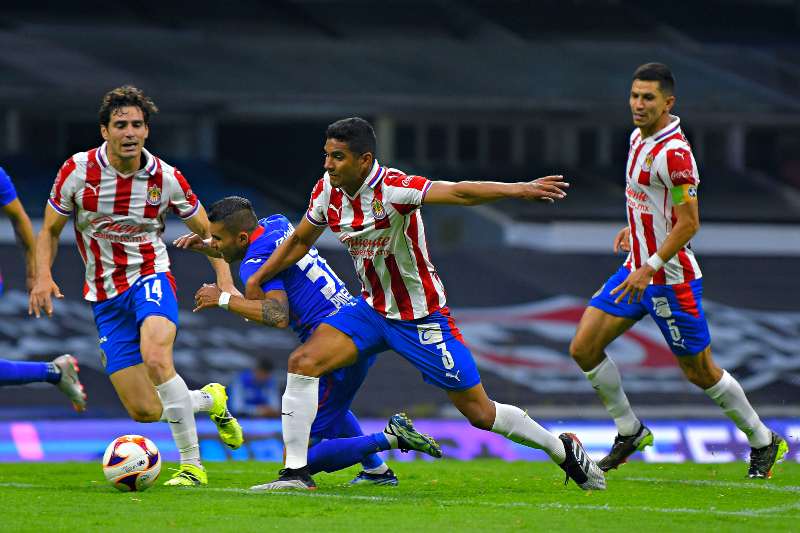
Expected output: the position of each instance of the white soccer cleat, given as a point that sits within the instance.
(70, 385)
(290, 479)
(579, 466)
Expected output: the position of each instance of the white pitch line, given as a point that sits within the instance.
(755, 484)
(541, 506)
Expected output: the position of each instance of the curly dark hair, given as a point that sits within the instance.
(125, 96)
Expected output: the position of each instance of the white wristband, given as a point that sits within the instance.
(224, 298)
(655, 262)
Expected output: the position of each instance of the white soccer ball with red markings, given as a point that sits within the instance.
(132, 463)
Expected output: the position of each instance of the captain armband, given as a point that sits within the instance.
(684, 193)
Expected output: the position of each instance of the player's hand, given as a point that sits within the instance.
(195, 243)
(622, 242)
(252, 290)
(206, 296)
(634, 285)
(40, 297)
(546, 189)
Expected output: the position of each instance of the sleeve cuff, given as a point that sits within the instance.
(314, 221)
(58, 209)
(192, 212)
(425, 191)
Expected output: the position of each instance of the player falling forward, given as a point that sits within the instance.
(63, 370)
(375, 212)
(300, 297)
(661, 278)
(118, 195)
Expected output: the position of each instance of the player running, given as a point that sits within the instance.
(661, 277)
(301, 297)
(375, 212)
(118, 196)
(63, 370)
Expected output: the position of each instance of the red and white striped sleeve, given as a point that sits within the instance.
(405, 193)
(318, 205)
(64, 188)
(677, 166)
(182, 200)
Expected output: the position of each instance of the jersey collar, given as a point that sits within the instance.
(149, 161)
(258, 232)
(673, 126)
(374, 177)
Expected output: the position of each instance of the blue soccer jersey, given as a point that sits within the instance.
(313, 288)
(7, 192)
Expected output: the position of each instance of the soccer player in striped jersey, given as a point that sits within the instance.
(63, 370)
(118, 196)
(375, 212)
(301, 297)
(661, 277)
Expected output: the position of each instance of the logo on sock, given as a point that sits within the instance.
(290, 413)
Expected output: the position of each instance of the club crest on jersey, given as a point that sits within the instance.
(648, 162)
(154, 195)
(378, 210)
(692, 192)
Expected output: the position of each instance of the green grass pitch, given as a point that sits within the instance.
(442, 496)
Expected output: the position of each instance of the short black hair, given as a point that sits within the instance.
(657, 72)
(125, 96)
(356, 132)
(235, 213)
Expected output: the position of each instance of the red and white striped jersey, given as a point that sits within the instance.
(119, 219)
(656, 164)
(382, 228)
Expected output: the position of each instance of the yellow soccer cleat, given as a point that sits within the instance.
(230, 432)
(188, 475)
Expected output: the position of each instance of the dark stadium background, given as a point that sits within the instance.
(456, 89)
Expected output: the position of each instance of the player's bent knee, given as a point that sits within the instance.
(586, 355)
(305, 363)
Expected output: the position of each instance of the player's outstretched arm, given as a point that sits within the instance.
(46, 247)
(24, 232)
(290, 251)
(546, 189)
(196, 243)
(272, 310)
(199, 224)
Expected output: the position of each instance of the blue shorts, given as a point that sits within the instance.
(336, 393)
(432, 344)
(676, 309)
(118, 320)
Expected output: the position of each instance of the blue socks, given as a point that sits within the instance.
(20, 372)
(335, 454)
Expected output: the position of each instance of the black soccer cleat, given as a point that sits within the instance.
(763, 459)
(290, 478)
(365, 478)
(625, 446)
(579, 466)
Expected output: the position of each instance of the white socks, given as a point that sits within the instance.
(728, 394)
(179, 414)
(298, 410)
(605, 379)
(382, 469)
(515, 424)
(201, 401)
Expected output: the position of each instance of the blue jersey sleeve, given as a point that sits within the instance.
(249, 267)
(7, 191)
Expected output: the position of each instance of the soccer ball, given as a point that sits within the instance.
(131, 463)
